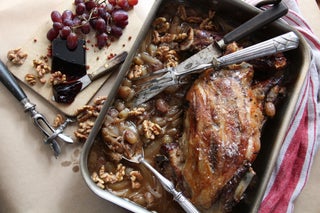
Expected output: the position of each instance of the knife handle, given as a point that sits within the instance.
(11, 83)
(253, 24)
(114, 62)
(282, 43)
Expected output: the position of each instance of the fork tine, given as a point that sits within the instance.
(147, 80)
(152, 75)
(148, 89)
(165, 70)
(145, 94)
(163, 80)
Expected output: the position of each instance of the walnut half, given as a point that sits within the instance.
(151, 129)
(16, 56)
(31, 79)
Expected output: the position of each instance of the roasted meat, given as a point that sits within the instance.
(222, 131)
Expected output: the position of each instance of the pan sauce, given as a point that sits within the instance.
(166, 111)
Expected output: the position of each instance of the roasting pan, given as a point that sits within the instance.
(274, 131)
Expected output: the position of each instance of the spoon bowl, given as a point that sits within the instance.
(138, 157)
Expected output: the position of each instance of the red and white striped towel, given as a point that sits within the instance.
(302, 140)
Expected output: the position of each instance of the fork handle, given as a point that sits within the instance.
(169, 187)
(10, 82)
(282, 43)
(38, 119)
(12, 85)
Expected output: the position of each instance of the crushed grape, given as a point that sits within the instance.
(108, 18)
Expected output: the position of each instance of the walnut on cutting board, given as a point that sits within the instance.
(17, 56)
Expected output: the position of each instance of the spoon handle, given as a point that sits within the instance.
(168, 186)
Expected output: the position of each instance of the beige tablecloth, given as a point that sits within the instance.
(31, 179)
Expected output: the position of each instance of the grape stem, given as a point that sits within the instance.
(90, 15)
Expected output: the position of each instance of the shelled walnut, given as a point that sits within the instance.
(150, 129)
(17, 56)
(30, 79)
(102, 177)
(57, 78)
(41, 66)
(136, 177)
(58, 120)
(86, 116)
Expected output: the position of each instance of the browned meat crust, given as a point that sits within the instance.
(222, 131)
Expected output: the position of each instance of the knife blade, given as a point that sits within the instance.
(282, 43)
(114, 62)
(67, 91)
(214, 50)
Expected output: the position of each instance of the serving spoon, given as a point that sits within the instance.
(187, 206)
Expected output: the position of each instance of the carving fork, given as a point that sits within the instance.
(51, 134)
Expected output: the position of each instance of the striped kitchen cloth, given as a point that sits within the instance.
(302, 140)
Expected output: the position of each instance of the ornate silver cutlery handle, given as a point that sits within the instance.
(168, 186)
(275, 45)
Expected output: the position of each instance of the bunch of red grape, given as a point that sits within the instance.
(107, 18)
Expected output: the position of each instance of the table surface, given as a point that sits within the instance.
(59, 187)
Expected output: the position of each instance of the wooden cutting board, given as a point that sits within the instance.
(95, 58)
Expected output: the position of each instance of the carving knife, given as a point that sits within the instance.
(205, 56)
(282, 43)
